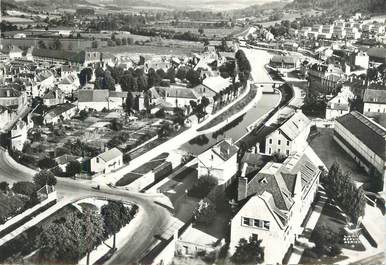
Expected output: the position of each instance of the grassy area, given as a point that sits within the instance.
(332, 217)
(231, 111)
(147, 49)
(209, 32)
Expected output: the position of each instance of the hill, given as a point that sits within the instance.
(347, 5)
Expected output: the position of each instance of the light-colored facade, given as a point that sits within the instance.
(374, 101)
(19, 135)
(340, 104)
(60, 112)
(220, 162)
(280, 195)
(289, 138)
(364, 140)
(107, 161)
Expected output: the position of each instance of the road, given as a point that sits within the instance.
(377, 259)
(156, 218)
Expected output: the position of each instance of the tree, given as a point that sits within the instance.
(153, 78)
(193, 77)
(249, 251)
(93, 226)
(142, 82)
(85, 76)
(4, 186)
(46, 163)
(24, 188)
(42, 44)
(146, 101)
(171, 74)
(201, 31)
(73, 167)
(181, 73)
(129, 103)
(205, 212)
(83, 114)
(44, 177)
(57, 45)
(326, 241)
(94, 44)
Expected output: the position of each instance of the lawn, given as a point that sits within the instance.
(232, 110)
(332, 217)
(329, 151)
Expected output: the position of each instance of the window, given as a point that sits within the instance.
(256, 223)
(270, 150)
(288, 143)
(266, 225)
(97, 159)
(287, 152)
(279, 142)
(278, 150)
(255, 237)
(246, 221)
(270, 141)
(368, 110)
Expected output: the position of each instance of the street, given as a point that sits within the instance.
(155, 219)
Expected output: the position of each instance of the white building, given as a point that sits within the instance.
(374, 101)
(69, 84)
(100, 99)
(340, 104)
(280, 195)
(290, 137)
(107, 161)
(364, 140)
(361, 59)
(219, 161)
(178, 96)
(60, 112)
(19, 133)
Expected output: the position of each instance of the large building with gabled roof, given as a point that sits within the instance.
(290, 137)
(364, 140)
(275, 201)
(219, 161)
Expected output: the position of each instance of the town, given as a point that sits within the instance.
(155, 133)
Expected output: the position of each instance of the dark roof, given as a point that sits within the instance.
(59, 109)
(60, 55)
(368, 132)
(225, 150)
(377, 52)
(9, 92)
(283, 59)
(375, 96)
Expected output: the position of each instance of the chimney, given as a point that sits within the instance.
(244, 170)
(242, 188)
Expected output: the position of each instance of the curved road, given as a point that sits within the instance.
(155, 219)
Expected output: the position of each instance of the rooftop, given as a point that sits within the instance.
(294, 125)
(368, 132)
(110, 154)
(375, 96)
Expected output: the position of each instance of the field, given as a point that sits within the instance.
(147, 49)
(209, 32)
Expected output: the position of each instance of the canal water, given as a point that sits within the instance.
(235, 129)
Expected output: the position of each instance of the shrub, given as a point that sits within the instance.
(46, 163)
(24, 188)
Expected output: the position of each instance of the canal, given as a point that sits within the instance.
(235, 129)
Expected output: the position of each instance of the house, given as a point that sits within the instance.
(339, 105)
(216, 83)
(360, 59)
(278, 198)
(44, 80)
(108, 161)
(19, 133)
(284, 62)
(82, 58)
(60, 112)
(326, 78)
(53, 97)
(100, 99)
(12, 51)
(364, 140)
(69, 84)
(219, 161)
(10, 97)
(178, 96)
(374, 101)
(63, 160)
(290, 137)
(7, 115)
